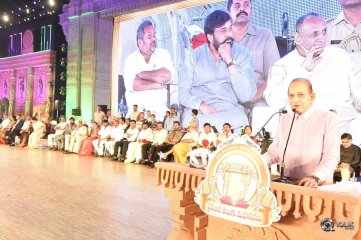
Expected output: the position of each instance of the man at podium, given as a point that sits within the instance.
(313, 138)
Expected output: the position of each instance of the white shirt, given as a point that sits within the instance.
(98, 117)
(192, 134)
(83, 130)
(210, 137)
(160, 136)
(133, 132)
(225, 138)
(104, 132)
(26, 125)
(5, 123)
(117, 133)
(146, 134)
(154, 100)
(61, 127)
(331, 81)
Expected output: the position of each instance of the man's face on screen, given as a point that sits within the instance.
(148, 43)
(241, 11)
(312, 33)
(350, 3)
(222, 35)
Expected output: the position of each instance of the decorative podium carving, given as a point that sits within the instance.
(302, 211)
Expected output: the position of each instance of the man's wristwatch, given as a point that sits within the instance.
(315, 178)
(233, 62)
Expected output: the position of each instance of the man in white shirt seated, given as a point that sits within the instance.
(134, 152)
(329, 70)
(59, 129)
(70, 146)
(129, 136)
(103, 136)
(116, 134)
(6, 121)
(160, 135)
(79, 136)
(226, 137)
(206, 143)
(25, 131)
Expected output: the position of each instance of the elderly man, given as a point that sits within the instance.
(59, 130)
(217, 76)
(146, 71)
(259, 41)
(313, 149)
(328, 69)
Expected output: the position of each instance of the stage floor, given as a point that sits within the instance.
(50, 195)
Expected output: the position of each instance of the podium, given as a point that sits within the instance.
(303, 209)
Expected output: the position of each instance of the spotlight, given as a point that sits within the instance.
(62, 91)
(27, 10)
(51, 3)
(63, 62)
(63, 76)
(63, 48)
(6, 18)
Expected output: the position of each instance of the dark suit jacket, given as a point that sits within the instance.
(16, 129)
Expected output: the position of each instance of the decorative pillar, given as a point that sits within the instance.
(12, 90)
(50, 90)
(29, 90)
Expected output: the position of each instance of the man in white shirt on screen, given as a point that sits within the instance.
(329, 70)
(146, 71)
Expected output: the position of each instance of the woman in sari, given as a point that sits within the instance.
(181, 149)
(87, 147)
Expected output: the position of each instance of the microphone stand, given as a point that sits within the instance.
(282, 178)
(283, 111)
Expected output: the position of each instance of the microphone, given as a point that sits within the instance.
(282, 178)
(262, 128)
(285, 24)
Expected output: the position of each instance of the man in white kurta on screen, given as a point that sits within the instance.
(217, 77)
(329, 69)
(147, 71)
(313, 150)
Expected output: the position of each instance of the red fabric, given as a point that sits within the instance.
(205, 143)
(144, 141)
(198, 40)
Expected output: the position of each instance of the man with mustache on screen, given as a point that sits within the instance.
(260, 43)
(146, 72)
(217, 77)
(329, 69)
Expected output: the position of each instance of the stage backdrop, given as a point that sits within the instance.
(179, 30)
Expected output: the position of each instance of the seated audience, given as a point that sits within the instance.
(38, 131)
(134, 152)
(349, 158)
(103, 136)
(87, 148)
